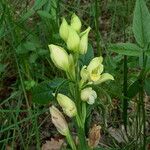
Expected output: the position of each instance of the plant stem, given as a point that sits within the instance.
(141, 99)
(125, 100)
(97, 24)
(81, 134)
(70, 141)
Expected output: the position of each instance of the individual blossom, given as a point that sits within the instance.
(83, 46)
(94, 71)
(63, 30)
(67, 105)
(76, 23)
(73, 40)
(59, 57)
(59, 121)
(88, 95)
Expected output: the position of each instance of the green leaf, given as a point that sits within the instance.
(133, 89)
(44, 14)
(42, 93)
(147, 86)
(33, 57)
(85, 59)
(141, 23)
(147, 53)
(129, 49)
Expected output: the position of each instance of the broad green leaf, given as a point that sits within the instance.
(129, 49)
(147, 86)
(85, 59)
(133, 89)
(147, 53)
(37, 5)
(42, 93)
(141, 23)
(44, 14)
(2, 67)
(33, 57)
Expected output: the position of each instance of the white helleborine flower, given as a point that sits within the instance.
(63, 30)
(84, 74)
(76, 23)
(83, 46)
(59, 121)
(94, 72)
(88, 95)
(59, 57)
(73, 40)
(67, 105)
(95, 69)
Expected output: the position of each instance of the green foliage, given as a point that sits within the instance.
(133, 89)
(85, 59)
(128, 49)
(141, 23)
(147, 86)
(43, 92)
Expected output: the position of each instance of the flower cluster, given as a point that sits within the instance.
(77, 44)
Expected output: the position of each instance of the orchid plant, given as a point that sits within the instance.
(82, 78)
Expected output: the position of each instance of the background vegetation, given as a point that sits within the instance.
(26, 29)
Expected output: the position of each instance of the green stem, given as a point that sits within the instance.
(125, 100)
(81, 134)
(97, 24)
(71, 141)
(141, 99)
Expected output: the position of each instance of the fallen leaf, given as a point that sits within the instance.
(94, 136)
(53, 144)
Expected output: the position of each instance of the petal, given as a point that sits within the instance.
(95, 62)
(104, 77)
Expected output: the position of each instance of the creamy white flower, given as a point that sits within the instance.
(88, 95)
(73, 40)
(76, 23)
(83, 46)
(63, 30)
(67, 105)
(59, 120)
(59, 57)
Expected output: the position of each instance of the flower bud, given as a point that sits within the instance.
(83, 46)
(59, 121)
(59, 57)
(73, 40)
(88, 95)
(67, 105)
(63, 30)
(76, 23)
(84, 74)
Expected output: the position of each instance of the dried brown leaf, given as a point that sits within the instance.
(53, 144)
(94, 136)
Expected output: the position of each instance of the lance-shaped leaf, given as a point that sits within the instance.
(141, 23)
(128, 49)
